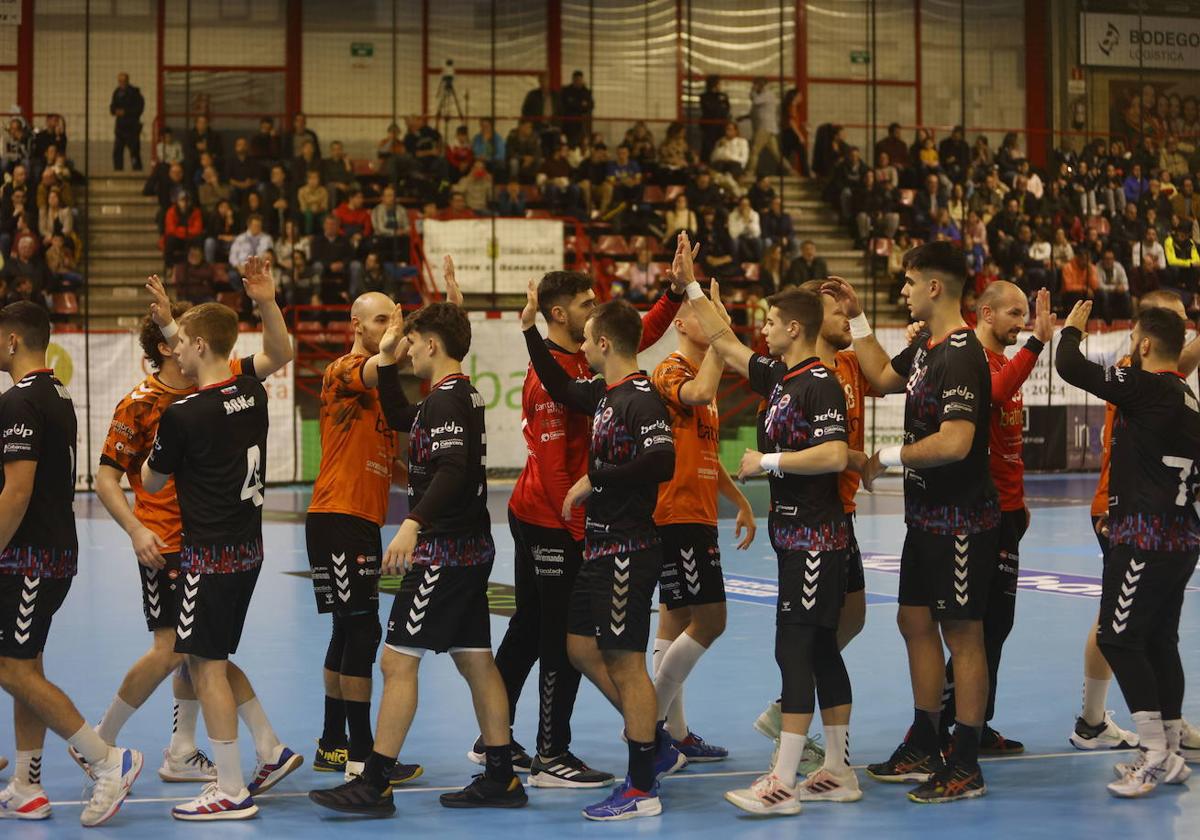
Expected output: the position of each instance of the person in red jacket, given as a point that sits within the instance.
(183, 226)
(549, 548)
(354, 218)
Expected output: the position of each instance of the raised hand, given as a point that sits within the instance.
(844, 294)
(1043, 317)
(1079, 316)
(529, 313)
(394, 342)
(257, 279)
(683, 267)
(912, 331)
(160, 304)
(714, 291)
(453, 292)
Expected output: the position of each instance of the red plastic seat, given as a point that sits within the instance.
(64, 303)
(613, 245)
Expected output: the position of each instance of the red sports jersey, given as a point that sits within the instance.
(1008, 424)
(557, 440)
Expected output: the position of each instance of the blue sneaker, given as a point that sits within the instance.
(668, 759)
(695, 748)
(270, 773)
(214, 804)
(626, 803)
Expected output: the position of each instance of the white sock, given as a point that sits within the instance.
(90, 745)
(676, 719)
(1095, 697)
(265, 743)
(110, 725)
(1150, 730)
(229, 766)
(837, 748)
(791, 750)
(1174, 732)
(183, 730)
(28, 769)
(678, 661)
(660, 650)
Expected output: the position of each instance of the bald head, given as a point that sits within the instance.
(999, 294)
(1162, 299)
(369, 316)
(1003, 310)
(371, 302)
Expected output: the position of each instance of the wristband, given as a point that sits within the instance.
(889, 456)
(770, 463)
(860, 327)
(693, 291)
(169, 331)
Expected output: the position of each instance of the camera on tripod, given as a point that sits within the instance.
(448, 73)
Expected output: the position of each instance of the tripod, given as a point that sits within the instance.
(447, 97)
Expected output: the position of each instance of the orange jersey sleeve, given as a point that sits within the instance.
(1100, 500)
(357, 447)
(854, 384)
(691, 494)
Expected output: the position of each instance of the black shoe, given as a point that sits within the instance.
(955, 781)
(404, 773)
(484, 793)
(521, 761)
(907, 764)
(566, 771)
(993, 743)
(356, 797)
(330, 758)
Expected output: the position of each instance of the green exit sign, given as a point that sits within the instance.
(860, 57)
(362, 49)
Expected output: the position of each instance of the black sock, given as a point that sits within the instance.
(499, 764)
(378, 770)
(641, 764)
(335, 723)
(924, 731)
(966, 744)
(362, 740)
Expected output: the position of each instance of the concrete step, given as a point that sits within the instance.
(123, 210)
(135, 239)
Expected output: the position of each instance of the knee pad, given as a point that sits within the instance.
(337, 642)
(794, 655)
(362, 635)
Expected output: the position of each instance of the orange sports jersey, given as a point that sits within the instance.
(855, 385)
(357, 446)
(1100, 500)
(691, 494)
(130, 436)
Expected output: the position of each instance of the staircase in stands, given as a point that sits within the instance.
(122, 250)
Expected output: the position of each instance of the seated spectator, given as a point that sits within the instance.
(221, 228)
(61, 260)
(1062, 252)
(524, 153)
(17, 146)
(1153, 199)
(50, 180)
(625, 175)
(704, 192)
(1083, 185)
(337, 173)
(1172, 159)
(593, 181)
(302, 284)
(1008, 157)
(1135, 184)
(23, 289)
(730, 156)
(417, 130)
(512, 201)
(988, 275)
(242, 171)
(478, 186)
(22, 225)
(488, 146)
(975, 253)
(1110, 191)
(761, 194)
(265, 145)
(430, 176)
(1079, 282)
(168, 150)
(944, 227)
(459, 154)
(1113, 293)
(927, 203)
(194, 279)
(183, 227)
(1002, 229)
(956, 205)
(277, 201)
(894, 147)
(874, 212)
(1186, 203)
(27, 266)
(981, 159)
(307, 161)
(456, 209)
(353, 218)
(644, 285)
(288, 245)
(554, 179)
(312, 201)
(895, 264)
(641, 145)
(54, 161)
(169, 188)
(53, 134)
(745, 228)
(807, 267)
(885, 173)
(674, 155)
(1183, 262)
(770, 271)
(212, 191)
(252, 242)
(1149, 263)
(55, 219)
(333, 261)
(389, 220)
(975, 228)
(778, 230)
(679, 218)
(375, 278)
(954, 155)
(717, 252)
(201, 139)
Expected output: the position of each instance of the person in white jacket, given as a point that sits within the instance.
(252, 242)
(746, 231)
(729, 158)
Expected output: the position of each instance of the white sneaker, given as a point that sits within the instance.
(1124, 768)
(24, 802)
(1104, 736)
(768, 796)
(354, 769)
(770, 723)
(215, 804)
(113, 781)
(1189, 743)
(1147, 774)
(195, 767)
(826, 786)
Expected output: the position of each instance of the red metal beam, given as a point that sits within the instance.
(25, 58)
(160, 37)
(293, 59)
(830, 80)
(800, 58)
(554, 42)
(483, 71)
(679, 69)
(425, 56)
(917, 56)
(1036, 63)
(223, 68)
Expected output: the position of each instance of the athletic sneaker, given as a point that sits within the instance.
(24, 802)
(626, 803)
(356, 796)
(1189, 743)
(112, 786)
(486, 793)
(1105, 735)
(1123, 768)
(190, 768)
(768, 796)
(214, 804)
(668, 759)
(812, 758)
(695, 748)
(330, 759)
(907, 764)
(78, 758)
(992, 742)
(267, 774)
(403, 773)
(770, 723)
(826, 786)
(521, 760)
(1147, 774)
(566, 771)
(953, 782)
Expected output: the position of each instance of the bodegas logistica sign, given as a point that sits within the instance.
(1159, 43)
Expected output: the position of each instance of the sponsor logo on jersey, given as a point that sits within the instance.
(19, 431)
(959, 391)
(657, 424)
(450, 428)
(238, 404)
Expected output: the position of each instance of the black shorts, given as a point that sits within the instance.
(212, 612)
(442, 608)
(613, 599)
(1013, 525)
(344, 553)
(691, 566)
(1142, 595)
(949, 573)
(856, 577)
(160, 593)
(812, 587)
(27, 606)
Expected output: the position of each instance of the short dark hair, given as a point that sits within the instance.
(1164, 327)
(620, 323)
(253, 217)
(150, 336)
(939, 257)
(801, 305)
(28, 320)
(558, 287)
(216, 323)
(448, 322)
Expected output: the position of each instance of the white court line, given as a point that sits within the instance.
(676, 777)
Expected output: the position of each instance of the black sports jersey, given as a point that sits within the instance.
(805, 408)
(948, 380)
(215, 444)
(631, 452)
(1155, 473)
(37, 423)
